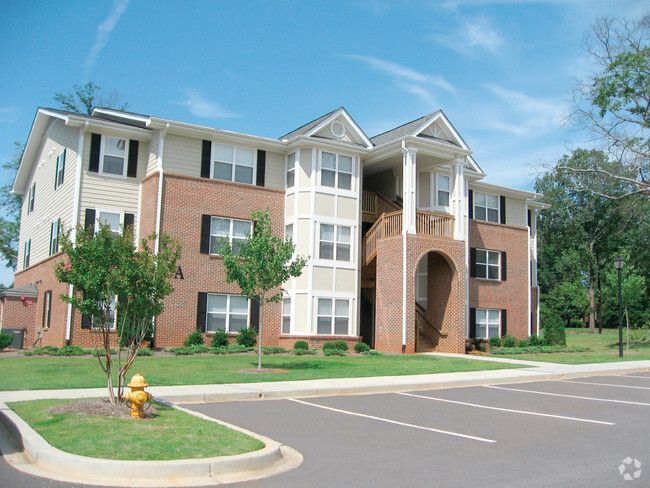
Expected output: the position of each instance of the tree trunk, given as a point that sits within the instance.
(599, 307)
(592, 294)
(259, 335)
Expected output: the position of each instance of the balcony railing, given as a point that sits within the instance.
(374, 204)
(390, 224)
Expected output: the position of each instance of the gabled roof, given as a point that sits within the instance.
(404, 130)
(336, 125)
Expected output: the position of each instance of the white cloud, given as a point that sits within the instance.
(472, 34)
(204, 108)
(104, 33)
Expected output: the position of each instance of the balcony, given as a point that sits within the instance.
(390, 224)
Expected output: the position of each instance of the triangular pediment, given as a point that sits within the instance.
(340, 127)
(440, 129)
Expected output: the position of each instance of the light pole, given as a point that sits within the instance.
(619, 262)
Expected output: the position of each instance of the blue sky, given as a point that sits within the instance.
(501, 70)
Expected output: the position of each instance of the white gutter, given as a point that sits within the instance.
(75, 218)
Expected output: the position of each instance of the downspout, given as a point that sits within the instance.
(75, 220)
(529, 277)
(406, 182)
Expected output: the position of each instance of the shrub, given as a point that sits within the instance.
(303, 352)
(5, 340)
(219, 339)
(495, 342)
(536, 341)
(145, 351)
(523, 343)
(333, 351)
(373, 353)
(71, 351)
(247, 337)
(301, 345)
(194, 339)
(554, 331)
(188, 350)
(340, 345)
(509, 341)
(274, 350)
(361, 347)
(479, 344)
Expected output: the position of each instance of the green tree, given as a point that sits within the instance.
(567, 300)
(83, 99)
(614, 102)
(10, 207)
(104, 266)
(260, 267)
(634, 297)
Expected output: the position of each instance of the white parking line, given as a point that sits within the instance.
(525, 412)
(568, 396)
(632, 376)
(607, 384)
(372, 417)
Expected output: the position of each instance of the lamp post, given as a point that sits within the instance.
(619, 262)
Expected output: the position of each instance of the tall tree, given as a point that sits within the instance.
(83, 99)
(260, 267)
(614, 102)
(10, 206)
(104, 266)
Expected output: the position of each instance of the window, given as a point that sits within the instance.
(28, 249)
(336, 171)
(114, 154)
(291, 170)
(47, 308)
(443, 190)
(226, 312)
(286, 315)
(112, 315)
(334, 242)
(333, 316)
(30, 198)
(288, 232)
(60, 170)
(231, 163)
(487, 264)
(235, 231)
(487, 323)
(112, 219)
(486, 207)
(54, 237)
(433, 190)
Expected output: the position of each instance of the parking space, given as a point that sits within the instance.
(569, 432)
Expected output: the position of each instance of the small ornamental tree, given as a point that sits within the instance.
(260, 267)
(111, 277)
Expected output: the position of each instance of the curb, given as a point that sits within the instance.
(46, 460)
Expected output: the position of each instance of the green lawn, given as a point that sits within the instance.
(604, 348)
(171, 434)
(37, 373)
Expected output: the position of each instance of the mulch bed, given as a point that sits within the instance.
(100, 407)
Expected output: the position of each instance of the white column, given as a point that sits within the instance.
(458, 201)
(409, 184)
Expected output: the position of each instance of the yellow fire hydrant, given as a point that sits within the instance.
(137, 397)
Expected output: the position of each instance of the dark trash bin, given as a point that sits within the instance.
(18, 334)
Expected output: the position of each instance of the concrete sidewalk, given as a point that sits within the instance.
(32, 454)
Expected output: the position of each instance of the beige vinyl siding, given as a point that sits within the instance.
(289, 203)
(323, 278)
(49, 205)
(346, 280)
(301, 319)
(302, 243)
(152, 158)
(325, 205)
(516, 212)
(182, 155)
(347, 208)
(275, 165)
(304, 169)
(304, 203)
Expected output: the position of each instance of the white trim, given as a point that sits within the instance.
(161, 174)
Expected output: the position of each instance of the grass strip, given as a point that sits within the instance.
(37, 373)
(171, 434)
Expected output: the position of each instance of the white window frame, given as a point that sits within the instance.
(59, 176)
(487, 207)
(55, 228)
(485, 262)
(230, 235)
(27, 250)
(47, 309)
(227, 312)
(488, 323)
(291, 170)
(333, 316)
(99, 211)
(233, 164)
(103, 153)
(285, 325)
(113, 324)
(337, 171)
(433, 192)
(31, 198)
(335, 243)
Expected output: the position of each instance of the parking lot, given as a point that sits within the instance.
(587, 432)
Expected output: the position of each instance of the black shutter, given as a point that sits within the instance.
(47, 308)
(206, 221)
(89, 224)
(85, 321)
(129, 218)
(31, 203)
(201, 310)
(62, 167)
(205, 159)
(504, 266)
(503, 209)
(472, 262)
(132, 168)
(472, 323)
(261, 167)
(530, 219)
(95, 147)
(470, 199)
(255, 315)
(51, 235)
(504, 322)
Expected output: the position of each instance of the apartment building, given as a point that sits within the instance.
(408, 249)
